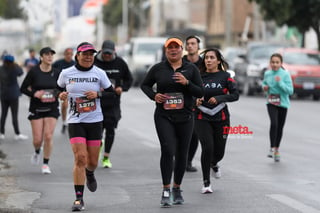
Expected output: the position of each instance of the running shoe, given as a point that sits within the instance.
(64, 128)
(35, 159)
(106, 163)
(206, 189)
(270, 154)
(177, 197)
(2, 137)
(276, 156)
(191, 168)
(45, 169)
(20, 137)
(91, 181)
(216, 172)
(166, 198)
(78, 205)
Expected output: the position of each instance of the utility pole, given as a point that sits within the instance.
(124, 21)
(228, 22)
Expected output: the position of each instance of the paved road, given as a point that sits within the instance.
(250, 181)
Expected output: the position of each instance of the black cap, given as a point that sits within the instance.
(108, 46)
(46, 50)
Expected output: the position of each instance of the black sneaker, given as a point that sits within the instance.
(91, 181)
(177, 197)
(63, 130)
(166, 198)
(78, 205)
(191, 168)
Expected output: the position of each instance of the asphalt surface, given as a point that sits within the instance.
(250, 181)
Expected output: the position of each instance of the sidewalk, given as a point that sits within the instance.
(10, 194)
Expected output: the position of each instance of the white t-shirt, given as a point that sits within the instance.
(77, 83)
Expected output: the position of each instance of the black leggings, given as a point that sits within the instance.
(174, 140)
(108, 139)
(277, 117)
(213, 143)
(14, 105)
(193, 146)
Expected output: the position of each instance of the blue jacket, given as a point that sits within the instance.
(284, 87)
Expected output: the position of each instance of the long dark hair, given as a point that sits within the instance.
(223, 63)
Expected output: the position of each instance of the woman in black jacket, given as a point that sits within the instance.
(177, 83)
(10, 93)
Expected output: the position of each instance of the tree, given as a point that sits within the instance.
(10, 9)
(112, 14)
(295, 13)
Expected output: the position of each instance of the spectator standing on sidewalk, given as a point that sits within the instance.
(61, 64)
(10, 93)
(120, 76)
(40, 84)
(192, 47)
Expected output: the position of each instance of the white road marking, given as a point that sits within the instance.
(293, 203)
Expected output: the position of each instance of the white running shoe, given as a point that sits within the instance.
(271, 153)
(35, 159)
(216, 172)
(45, 169)
(206, 190)
(2, 137)
(20, 137)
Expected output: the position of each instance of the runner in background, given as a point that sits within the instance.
(40, 84)
(120, 76)
(31, 61)
(277, 85)
(192, 47)
(61, 64)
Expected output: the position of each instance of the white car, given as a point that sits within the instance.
(143, 52)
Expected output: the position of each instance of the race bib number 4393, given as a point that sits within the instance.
(174, 101)
(85, 105)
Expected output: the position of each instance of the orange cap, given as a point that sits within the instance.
(170, 40)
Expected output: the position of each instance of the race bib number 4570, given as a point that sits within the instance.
(174, 101)
(85, 105)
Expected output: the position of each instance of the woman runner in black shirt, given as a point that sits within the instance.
(40, 84)
(212, 115)
(177, 82)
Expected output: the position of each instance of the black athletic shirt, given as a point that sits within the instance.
(197, 63)
(39, 80)
(221, 86)
(119, 74)
(161, 75)
(63, 64)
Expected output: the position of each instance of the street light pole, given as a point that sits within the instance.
(124, 20)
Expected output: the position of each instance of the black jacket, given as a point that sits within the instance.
(161, 75)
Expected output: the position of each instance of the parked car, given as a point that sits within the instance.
(249, 66)
(143, 52)
(304, 67)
